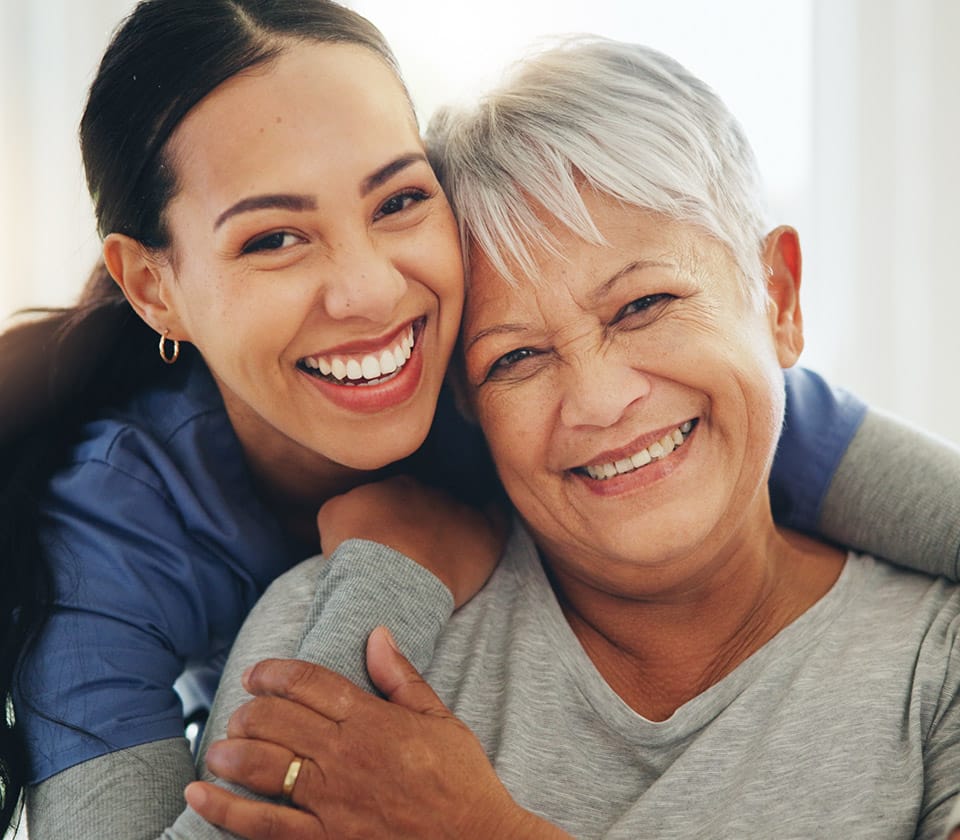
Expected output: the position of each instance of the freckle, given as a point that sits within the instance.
(279, 120)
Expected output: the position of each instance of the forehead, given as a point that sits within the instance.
(578, 271)
(315, 107)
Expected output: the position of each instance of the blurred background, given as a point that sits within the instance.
(851, 105)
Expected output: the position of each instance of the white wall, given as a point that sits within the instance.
(884, 284)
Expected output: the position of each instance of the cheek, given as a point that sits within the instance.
(517, 431)
(433, 257)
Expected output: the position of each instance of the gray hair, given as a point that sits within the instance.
(625, 119)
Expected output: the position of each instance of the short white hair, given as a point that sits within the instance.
(624, 119)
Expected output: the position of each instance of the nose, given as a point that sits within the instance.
(599, 390)
(364, 283)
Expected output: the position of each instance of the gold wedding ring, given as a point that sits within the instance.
(293, 770)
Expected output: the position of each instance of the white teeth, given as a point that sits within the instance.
(388, 362)
(370, 367)
(660, 449)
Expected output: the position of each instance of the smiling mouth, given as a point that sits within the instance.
(655, 452)
(364, 369)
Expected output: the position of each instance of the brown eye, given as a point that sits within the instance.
(510, 360)
(643, 304)
(270, 242)
(400, 202)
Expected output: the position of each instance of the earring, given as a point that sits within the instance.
(163, 350)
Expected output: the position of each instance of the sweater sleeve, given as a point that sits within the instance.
(896, 494)
(323, 613)
(124, 795)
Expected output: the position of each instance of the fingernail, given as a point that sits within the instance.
(195, 795)
(390, 640)
(245, 678)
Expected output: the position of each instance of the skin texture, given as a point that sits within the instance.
(361, 245)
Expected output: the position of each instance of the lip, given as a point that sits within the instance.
(645, 476)
(371, 399)
(636, 445)
(370, 345)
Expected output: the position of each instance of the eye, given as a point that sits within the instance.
(271, 242)
(401, 201)
(642, 305)
(509, 361)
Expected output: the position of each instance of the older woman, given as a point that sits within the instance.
(653, 656)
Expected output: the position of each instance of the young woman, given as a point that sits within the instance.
(271, 222)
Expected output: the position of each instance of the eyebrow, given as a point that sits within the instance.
(497, 329)
(385, 173)
(303, 203)
(637, 265)
(284, 201)
(595, 296)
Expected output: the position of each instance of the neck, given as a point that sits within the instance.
(292, 480)
(660, 650)
(295, 488)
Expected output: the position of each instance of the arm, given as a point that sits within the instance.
(83, 802)
(939, 666)
(95, 697)
(324, 612)
(866, 480)
(896, 494)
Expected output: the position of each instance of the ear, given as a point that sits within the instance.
(781, 256)
(140, 275)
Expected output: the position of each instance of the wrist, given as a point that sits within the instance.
(517, 824)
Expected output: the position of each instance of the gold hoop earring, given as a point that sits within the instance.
(163, 349)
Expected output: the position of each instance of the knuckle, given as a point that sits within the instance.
(294, 678)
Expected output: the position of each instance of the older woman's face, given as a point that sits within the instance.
(632, 396)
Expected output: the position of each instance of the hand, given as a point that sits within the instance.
(406, 768)
(456, 542)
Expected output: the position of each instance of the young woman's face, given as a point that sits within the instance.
(315, 260)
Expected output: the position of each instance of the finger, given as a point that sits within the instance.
(314, 686)
(252, 820)
(400, 682)
(257, 765)
(283, 722)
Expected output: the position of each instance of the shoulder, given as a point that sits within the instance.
(155, 515)
(168, 426)
(902, 624)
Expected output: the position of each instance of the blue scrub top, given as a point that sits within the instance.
(160, 547)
